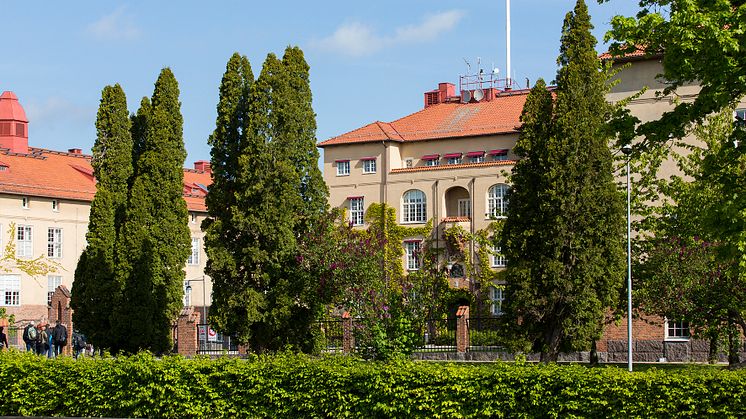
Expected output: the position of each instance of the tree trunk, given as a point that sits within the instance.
(552, 339)
(712, 357)
(734, 344)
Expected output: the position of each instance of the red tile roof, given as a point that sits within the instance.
(637, 54)
(61, 175)
(501, 115)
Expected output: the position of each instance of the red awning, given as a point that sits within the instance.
(475, 154)
(451, 155)
(431, 157)
(341, 161)
(501, 152)
(412, 240)
(368, 158)
(354, 197)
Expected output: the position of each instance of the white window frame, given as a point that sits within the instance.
(24, 241)
(357, 210)
(55, 205)
(193, 258)
(740, 113)
(408, 163)
(477, 159)
(10, 290)
(454, 160)
(414, 207)
(193, 217)
(500, 157)
(54, 242)
(343, 168)
(497, 259)
(413, 256)
(497, 204)
(464, 208)
(187, 300)
(53, 281)
(497, 299)
(432, 162)
(25, 202)
(680, 329)
(369, 166)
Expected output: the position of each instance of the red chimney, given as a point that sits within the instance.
(202, 166)
(444, 91)
(13, 124)
(74, 151)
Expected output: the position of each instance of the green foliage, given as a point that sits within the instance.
(95, 293)
(296, 386)
(155, 239)
(564, 233)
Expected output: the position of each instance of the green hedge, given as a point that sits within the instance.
(299, 387)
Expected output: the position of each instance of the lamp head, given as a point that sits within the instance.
(627, 149)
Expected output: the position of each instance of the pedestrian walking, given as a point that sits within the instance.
(29, 336)
(41, 339)
(3, 339)
(60, 337)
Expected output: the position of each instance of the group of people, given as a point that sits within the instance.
(45, 340)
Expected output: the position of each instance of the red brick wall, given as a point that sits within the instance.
(187, 342)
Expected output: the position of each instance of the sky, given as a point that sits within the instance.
(370, 60)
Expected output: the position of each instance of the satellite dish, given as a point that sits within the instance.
(478, 94)
(465, 96)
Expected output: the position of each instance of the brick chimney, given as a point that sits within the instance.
(202, 166)
(75, 151)
(444, 91)
(13, 124)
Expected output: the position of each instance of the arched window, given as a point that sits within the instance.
(497, 203)
(414, 207)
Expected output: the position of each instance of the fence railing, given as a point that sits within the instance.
(484, 334)
(331, 335)
(209, 342)
(438, 335)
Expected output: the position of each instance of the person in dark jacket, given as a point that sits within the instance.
(59, 337)
(29, 340)
(3, 339)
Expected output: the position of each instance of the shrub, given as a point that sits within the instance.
(298, 386)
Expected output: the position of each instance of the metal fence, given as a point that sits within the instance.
(212, 343)
(438, 335)
(484, 334)
(331, 335)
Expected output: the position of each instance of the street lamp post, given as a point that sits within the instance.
(627, 150)
(204, 299)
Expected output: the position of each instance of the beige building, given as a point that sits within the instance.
(45, 199)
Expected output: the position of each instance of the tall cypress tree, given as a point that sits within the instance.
(94, 293)
(564, 234)
(155, 240)
(140, 128)
(223, 238)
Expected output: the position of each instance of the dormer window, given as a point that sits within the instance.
(453, 158)
(24, 202)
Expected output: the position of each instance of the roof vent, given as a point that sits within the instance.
(202, 166)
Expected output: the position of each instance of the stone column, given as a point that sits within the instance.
(348, 338)
(462, 329)
(186, 329)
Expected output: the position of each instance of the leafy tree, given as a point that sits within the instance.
(701, 41)
(564, 234)
(223, 238)
(155, 239)
(94, 292)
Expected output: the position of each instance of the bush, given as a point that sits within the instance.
(298, 386)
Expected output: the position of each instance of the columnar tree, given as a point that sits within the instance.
(155, 241)
(564, 234)
(94, 292)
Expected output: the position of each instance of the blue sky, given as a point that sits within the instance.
(370, 60)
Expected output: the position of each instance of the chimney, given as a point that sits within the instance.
(13, 124)
(202, 166)
(74, 151)
(444, 91)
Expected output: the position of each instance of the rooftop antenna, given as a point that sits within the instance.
(468, 66)
(508, 83)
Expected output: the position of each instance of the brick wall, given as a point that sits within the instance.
(186, 326)
(60, 310)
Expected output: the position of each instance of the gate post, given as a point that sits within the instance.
(462, 329)
(186, 329)
(61, 311)
(348, 339)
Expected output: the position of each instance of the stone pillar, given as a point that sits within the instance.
(348, 338)
(186, 329)
(462, 329)
(61, 311)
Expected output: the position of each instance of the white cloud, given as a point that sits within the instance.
(358, 39)
(117, 26)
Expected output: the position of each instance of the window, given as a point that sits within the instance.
(24, 245)
(464, 208)
(24, 202)
(53, 281)
(194, 256)
(414, 209)
(498, 155)
(369, 166)
(432, 162)
(497, 259)
(343, 168)
(10, 290)
(55, 205)
(677, 330)
(497, 298)
(54, 242)
(20, 130)
(454, 160)
(740, 114)
(356, 210)
(5, 128)
(476, 159)
(413, 259)
(497, 204)
(408, 163)
(193, 217)
(187, 294)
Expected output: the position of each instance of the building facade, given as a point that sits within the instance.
(45, 198)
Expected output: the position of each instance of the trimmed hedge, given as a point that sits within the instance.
(298, 386)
